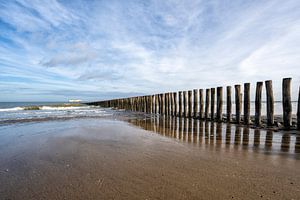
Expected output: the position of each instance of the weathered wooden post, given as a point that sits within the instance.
(190, 103)
(201, 110)
(175, 103)
(156, 104)
(195, 102)
(145, 104)
(149, 101)
(212, 106)
(207, 101)
(185, 102)
(159, 104)
(164, 104)
(180, 103)
(140, 104)
(229, 104)
(219, 103)
(258, 93)
(167, 103)
(238, 103)
(152, 103)
(270, 103)
(133, 104)
(148, 104)
(171, 103)
(298, 111)
(246, 103)
(286, 103)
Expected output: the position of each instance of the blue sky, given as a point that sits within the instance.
(54, 50)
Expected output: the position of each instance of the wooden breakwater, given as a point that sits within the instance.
(190, 104)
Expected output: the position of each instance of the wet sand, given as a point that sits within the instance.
(146, 159)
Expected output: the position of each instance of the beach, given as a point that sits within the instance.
(130, 156)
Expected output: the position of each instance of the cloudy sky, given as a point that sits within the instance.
(55, 50)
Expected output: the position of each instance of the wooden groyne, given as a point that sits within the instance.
(191, 104)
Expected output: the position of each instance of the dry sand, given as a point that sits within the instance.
(112, 159)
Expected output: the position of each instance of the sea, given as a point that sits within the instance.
(14, 112)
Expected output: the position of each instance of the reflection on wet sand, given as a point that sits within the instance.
(221, 135)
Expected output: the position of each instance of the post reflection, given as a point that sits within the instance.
(245, 137)
(219, 135)
(228, 134)
(285, 142)
(212, 134)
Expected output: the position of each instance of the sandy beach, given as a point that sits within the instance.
(145, 158)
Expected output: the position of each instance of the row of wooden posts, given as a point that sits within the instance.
(191, 104)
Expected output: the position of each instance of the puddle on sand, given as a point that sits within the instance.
(223, 136)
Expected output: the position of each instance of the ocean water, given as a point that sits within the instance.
(13, 112)
(277, 108)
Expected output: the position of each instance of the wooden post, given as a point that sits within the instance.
(270, 103)
(201, 111)
(148, 104)
(171, 104)
(162, 104)
(229, 104)
(286, 103)
(190, 103)
(145, 104)
(180, 103)
(185, 103)
(246, 103)
(219, 103)
(195, 102)
(175, 103)
(152, 103)
(238, 103)
(167, 103)
(157, 103)
(258, 92)
(207, 101)
(298, 111)
(212, 105)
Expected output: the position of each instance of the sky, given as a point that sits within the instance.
(55, 50)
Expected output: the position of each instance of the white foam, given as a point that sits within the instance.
(63, 108)
(11, 109)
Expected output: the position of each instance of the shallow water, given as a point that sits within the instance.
(222, 136)
(135, 156)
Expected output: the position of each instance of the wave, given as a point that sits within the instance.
(47, 107)
(11, 109)
(49, 118)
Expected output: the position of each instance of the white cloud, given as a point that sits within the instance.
(151, 46)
